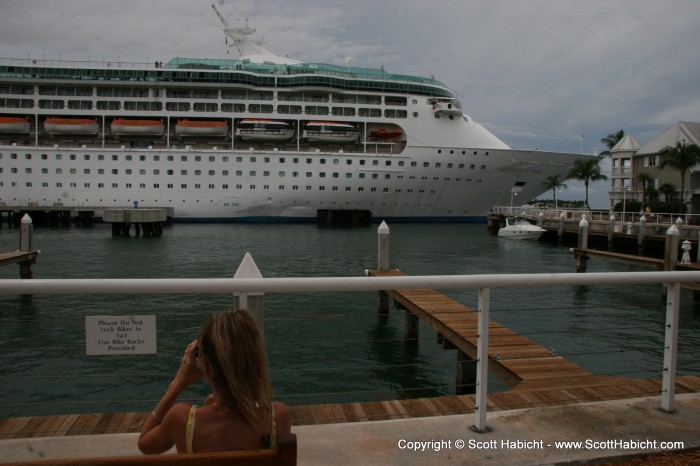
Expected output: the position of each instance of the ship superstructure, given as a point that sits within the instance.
(258, 138)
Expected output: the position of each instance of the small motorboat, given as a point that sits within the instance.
(519, 228)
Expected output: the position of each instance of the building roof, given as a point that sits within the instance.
(681, 131)
(627, 144)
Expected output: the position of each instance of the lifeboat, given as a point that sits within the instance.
(60, 126)
(191, 128)
(124, 127)
(14, 125)
(253, 129)
(383, 134)
(328, 131)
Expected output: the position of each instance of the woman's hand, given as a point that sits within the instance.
(188, 373)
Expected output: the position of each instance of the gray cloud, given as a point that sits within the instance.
(538, 73)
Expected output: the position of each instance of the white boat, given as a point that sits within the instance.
(258, 129)
(432, 162)
(329, 131)
(519, 228)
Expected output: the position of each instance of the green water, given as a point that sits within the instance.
(323, 347)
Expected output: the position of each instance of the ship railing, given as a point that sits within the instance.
(248, 288)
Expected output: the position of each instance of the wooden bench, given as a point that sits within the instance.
(286, 454)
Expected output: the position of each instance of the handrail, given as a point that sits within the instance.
(333, 284)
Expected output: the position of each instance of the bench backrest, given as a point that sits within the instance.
(286, 454)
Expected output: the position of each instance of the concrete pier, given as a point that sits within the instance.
(147, 222)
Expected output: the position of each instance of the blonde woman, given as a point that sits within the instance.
(229, 354)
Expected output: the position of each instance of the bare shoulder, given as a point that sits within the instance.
(284, 422)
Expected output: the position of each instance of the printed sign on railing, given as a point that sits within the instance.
(118, 335)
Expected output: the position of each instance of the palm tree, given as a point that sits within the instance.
(587, 170)
(683, 157)
(553, 182)
(645, 179)
(668, 190)
(610, 140)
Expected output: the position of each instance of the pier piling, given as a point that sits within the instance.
(25, 245)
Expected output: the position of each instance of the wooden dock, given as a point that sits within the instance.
(25, 259)
(517, 361)
(112, 423)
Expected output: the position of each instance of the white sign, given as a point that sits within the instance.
(116, 335)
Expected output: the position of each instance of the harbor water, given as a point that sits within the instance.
(323, 347)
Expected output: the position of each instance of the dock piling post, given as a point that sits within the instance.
(25, 245)
(251, 301)
(640, 232)
(383, 264)
(560, 231)
(611, 231)
(671, 248)
(540, 219)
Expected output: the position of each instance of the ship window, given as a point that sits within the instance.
(72, 156)
(28, 156)
(59, 185)
(239, 186)
(375, 176)
(413, 164)
(348, 175)
(360, 189)
(483, 167)
(43, 156)
(142, 171)
(29, 170)
(115, 185)
(142, 185)
(58, 156)
(156, 158)
(115, 171)
(224, 172)
(239, 173)
(347, 188)
(100, 171)
(426, 164)
(362, 162)
(197, 172)
(336, 161)
(295, 160)
(449, 165)
(156, 172)
(388, 163)
(387, 176)
(308, 188)
(308, 174)
(170, 172)
(183, 186)
(115, 157)
(239, 159)
(253, 159)
(472, 166)
(43, 170)
(86, 171)
(183, 172)
(438, 165)
(197, 186)
(335, 174)
(224, 186)
(362, 175)
(183, 158)
(252, 173)
(349, 162)
(212, 172)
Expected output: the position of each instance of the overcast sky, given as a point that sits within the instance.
(537, 73)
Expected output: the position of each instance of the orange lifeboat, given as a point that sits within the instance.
(59, 126)
(209, 128)
(125, 127)
(14, 125)
(383, 134)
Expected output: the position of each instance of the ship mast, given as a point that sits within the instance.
(248, 47)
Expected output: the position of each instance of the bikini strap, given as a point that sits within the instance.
(189, 429)
(273, 433)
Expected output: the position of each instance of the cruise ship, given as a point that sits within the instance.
(259, 138)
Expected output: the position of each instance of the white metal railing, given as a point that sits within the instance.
(483, 283)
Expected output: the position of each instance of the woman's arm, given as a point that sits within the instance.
(158, 432)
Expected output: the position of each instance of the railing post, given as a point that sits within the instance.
(482, 361)
(668, 384)
(252, 302)
(383, 264)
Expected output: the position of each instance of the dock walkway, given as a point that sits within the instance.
(517, 361)
(16, 257)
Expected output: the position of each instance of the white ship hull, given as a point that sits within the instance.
(399, 192)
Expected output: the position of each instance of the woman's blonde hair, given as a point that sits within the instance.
(235, 350)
